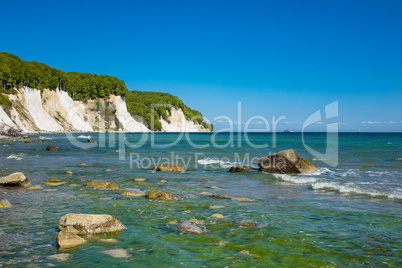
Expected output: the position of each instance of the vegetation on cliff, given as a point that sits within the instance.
(145, 105)
(16, 73)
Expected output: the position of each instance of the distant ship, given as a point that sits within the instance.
(287, 131)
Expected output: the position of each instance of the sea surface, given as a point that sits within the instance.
(347, 215)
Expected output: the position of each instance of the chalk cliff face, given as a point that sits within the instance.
(179, 123)
(56, 111)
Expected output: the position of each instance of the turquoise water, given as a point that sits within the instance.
(343, 216)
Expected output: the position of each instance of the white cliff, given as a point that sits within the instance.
(56, 111)
(179, 123)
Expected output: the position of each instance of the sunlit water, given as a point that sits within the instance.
(343, 216)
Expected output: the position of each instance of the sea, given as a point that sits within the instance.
(345, 214)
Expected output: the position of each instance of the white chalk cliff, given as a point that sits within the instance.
(56, 111)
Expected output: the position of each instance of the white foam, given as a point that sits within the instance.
(398, 159)
(299, 179)
(16, 157)
(84, 137)
(350, 189)
(319, 171)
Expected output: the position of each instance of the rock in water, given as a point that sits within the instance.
(53, 181)
(90, 140)
(287, 161)
(170, 167)
(60, 257)
(191, 226)
(239, 169)
(103, 185)
(117, 253)
(82, 224)
(160, 195)
(51, 148)
(14, 180)
(67, 239)
(4, 203)
(132, 193)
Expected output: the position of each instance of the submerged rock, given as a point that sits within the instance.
(117, 253)
(68, 172)
(90, 140)
(160, 195)
(67, 239)
(242, 199)
(287, 161)
(109, 240)
(191, 226)
(103, 185)
(170, 167)
(219, 196)
(161, 181)
(132, 193)
(247, 224)
(60, 257)
(81, 164)
(216, 216)
(82, 224)
(51, 148)
(35, 187)
(239, 169)
(17, 179)
(139, 179)
(53, 181)
(4, 203)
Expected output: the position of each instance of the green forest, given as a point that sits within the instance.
(16, 73)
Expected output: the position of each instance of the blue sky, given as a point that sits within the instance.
(279, 58)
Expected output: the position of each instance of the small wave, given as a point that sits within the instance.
(299, 179)
(319, 171)
(15, 156)
(83, 137)
(45, 138)
(378, 173)
(398, 159)
(348, 189)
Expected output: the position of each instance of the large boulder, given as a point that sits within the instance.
(239, 169)
(287, 161)
(82, 224)
(67, 239)
(14, 180)
(170, 167)
(160, 195)
(103, 185)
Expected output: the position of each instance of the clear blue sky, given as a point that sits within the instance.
(277, 57)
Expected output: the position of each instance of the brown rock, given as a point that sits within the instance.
(82, 224)
(170, 167)
(27, 141)
(239, 169)
(81, 164)
(68, 172)
(247, 224)
(17, 179)
(219, 196)
(67, 239)
(35, 187)
(90, 140)
(160, 195)
(103, 185)
(51, 148)
(287, 161)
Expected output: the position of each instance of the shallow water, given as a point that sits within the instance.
(343, 216)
